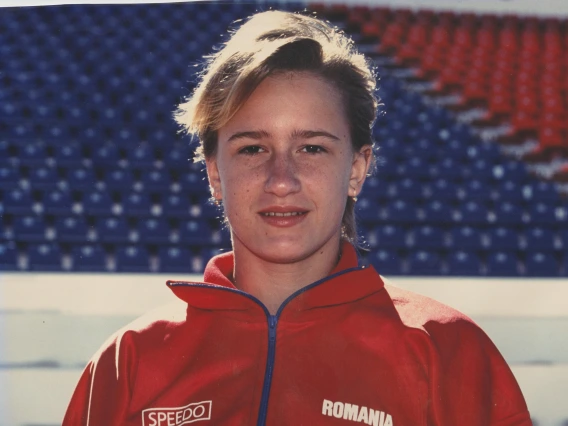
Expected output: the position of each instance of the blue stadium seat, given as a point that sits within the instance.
(450, 169)
(80, 178)
(490, 152)
(97, 203)
(118, 179)
(89, 258)
(406, 189)
(400, 211)
(437, 212)
(43, 178)
(387, 262)
(538, 239)
(466, 238)
(176, 259)
(68, 155)
(141, 156)
(511, 170)
(444, 190)
(156, 180)
(9, 177)
(5, 150)
(132, 259)
(542, 264)
(175, 205)
(539, 191)
(508, 214)
(8, 256)
(71, 228)
(57, 203)
(502, 238)
(481, 169)
(44, 257)
(428, 237)
(472, 213)
(32, 154)
(464, 263)
(548, 214)
(136, 204)
(178, 156)
(414, 168)
(29, 228)
(194, 182)
(502, 264)
(423, 262)
(387, 237)
(18, 202)
(475, 190)
(112, 230)
(105, 156)
(193, 232)
(509, 191)
(153, 230)
(367, 210)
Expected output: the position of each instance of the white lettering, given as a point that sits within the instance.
(338, 409)
(179, 416)
(355, 413)
(363, 415)
(187, 414)
(376, 418)
(350, 412)
(201, 410)
(152, 416)
(327, 409)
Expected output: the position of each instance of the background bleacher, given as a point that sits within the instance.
(94, 175)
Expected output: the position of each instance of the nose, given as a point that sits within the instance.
(282, 175)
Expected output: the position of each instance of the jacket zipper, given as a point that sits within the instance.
(272, 322)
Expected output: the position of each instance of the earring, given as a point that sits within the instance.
(354, 196)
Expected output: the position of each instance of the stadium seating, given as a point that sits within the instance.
(94, 175)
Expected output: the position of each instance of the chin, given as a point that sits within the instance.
(283, 253)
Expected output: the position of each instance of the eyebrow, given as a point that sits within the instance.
(296, 134)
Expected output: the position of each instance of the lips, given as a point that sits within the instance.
(283, 216)
(277, 214)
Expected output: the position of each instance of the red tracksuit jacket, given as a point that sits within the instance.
(345, 350)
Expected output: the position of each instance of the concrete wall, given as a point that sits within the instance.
(50, 325)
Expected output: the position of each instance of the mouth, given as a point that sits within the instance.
(278, 214)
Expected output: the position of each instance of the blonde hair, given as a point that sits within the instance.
(273, 42)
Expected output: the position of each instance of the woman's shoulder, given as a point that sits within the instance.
(152, 326)
(421, 312)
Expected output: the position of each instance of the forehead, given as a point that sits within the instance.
(292, 98)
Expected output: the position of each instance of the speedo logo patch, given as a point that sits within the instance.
(178, 416)
(355, 413)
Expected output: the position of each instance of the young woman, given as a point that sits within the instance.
(288, 328)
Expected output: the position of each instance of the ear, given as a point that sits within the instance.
(359, 169)
(214, 178)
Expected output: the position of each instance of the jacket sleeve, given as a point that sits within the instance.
(472, 385)
(102, 395)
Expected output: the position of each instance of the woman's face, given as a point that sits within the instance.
(284, 168)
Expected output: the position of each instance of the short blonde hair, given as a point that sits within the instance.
(273, 42)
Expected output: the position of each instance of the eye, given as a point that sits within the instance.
(250, 150)
(313, 149)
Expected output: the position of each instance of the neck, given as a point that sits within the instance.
(272, 283)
